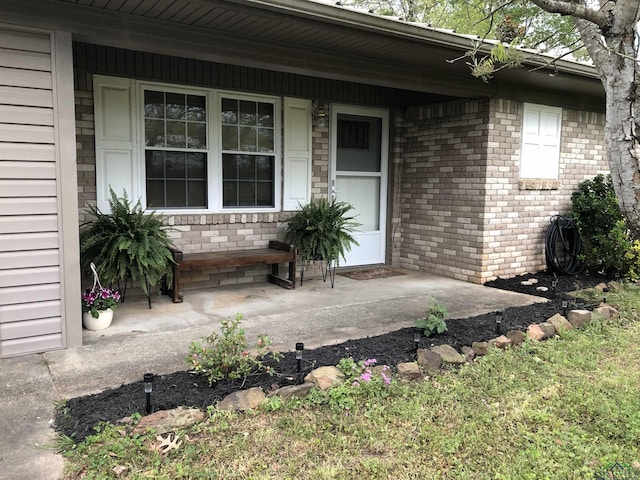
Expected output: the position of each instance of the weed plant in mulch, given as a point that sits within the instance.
(79, 416)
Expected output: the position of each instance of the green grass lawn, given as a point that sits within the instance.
(559, 409)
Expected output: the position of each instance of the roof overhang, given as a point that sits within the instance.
(310, 38)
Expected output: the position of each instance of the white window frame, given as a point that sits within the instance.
(214, 147)
(540, 150)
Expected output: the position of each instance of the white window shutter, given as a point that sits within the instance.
(540, 155)
(115, 138)
(297, 153)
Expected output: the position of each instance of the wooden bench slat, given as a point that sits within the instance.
(278, 252)
(201, 261)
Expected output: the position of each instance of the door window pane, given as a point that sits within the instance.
(358, 144)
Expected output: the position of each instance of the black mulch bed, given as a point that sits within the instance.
(185, 389)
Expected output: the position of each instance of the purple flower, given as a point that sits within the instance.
(366, 376)
(370, 362)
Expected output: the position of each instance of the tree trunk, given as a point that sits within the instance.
(614, 52)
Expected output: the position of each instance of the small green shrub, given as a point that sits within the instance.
(226, 355)
(605, 236)
(364, 380)
(434, 320)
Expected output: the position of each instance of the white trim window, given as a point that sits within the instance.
(195, 150)
(248, 152)
(175, 149)
(540, 151)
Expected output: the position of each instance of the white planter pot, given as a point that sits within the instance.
(103, 321)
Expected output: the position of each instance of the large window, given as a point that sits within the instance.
(205, 150)
(248, 153)
(175, 135)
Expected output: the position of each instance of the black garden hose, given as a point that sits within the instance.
(563, 246)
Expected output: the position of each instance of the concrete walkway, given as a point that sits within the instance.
(142, 340)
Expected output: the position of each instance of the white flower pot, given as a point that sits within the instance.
(103, 321)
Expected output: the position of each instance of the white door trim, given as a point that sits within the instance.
(378, 257)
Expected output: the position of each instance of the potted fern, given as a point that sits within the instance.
(322, 230)
(126, 244)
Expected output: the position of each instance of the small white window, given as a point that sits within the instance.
(540, 151)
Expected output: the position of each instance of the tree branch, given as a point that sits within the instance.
(576, 10)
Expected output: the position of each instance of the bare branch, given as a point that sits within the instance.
(576, 10)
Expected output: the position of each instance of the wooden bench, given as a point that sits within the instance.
(278, 252)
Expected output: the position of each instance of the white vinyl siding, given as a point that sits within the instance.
(540, 151)
(31, 313)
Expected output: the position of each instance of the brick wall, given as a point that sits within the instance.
(518, 212)
(443, 189)
(465, 212)
(198, 233)
(457, 206)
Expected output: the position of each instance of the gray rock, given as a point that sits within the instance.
(468, 353)
(170, 420)
(291, 391)
(242, 400)
(516, 337)
(606, 311)
(480, 347)
(548, 329)
(325, 377)
(448, 354)
(409, 370)
(501, 342)
(560, 323)
(579, 318)
(428, 360)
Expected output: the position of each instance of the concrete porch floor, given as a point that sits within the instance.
(156, 340)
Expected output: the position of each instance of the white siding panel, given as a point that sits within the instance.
(24, 346)
(26, 96)
(25, 41)
(26, 115)
(27, 188)
(30, 328)
(38, 223)
(29, 259)
(28, 206)
(29, 276)
(27, 152)
(23, 169)
(25, 60)
(30, 311)
(31, 315)
(29, 241)
(29, 294)
(26, 133)
(25, 78)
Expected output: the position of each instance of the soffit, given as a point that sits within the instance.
(312, 38)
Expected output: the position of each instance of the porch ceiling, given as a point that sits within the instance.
(304, 37)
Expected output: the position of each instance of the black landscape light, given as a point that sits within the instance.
(605, 290)
(299, 350)
(148, 388)
(417, 336)
(565, 305)
(554, 285)
(499, 322)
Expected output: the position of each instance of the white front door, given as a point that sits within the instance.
(359, 151)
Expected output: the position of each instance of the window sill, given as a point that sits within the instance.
(538, 184)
